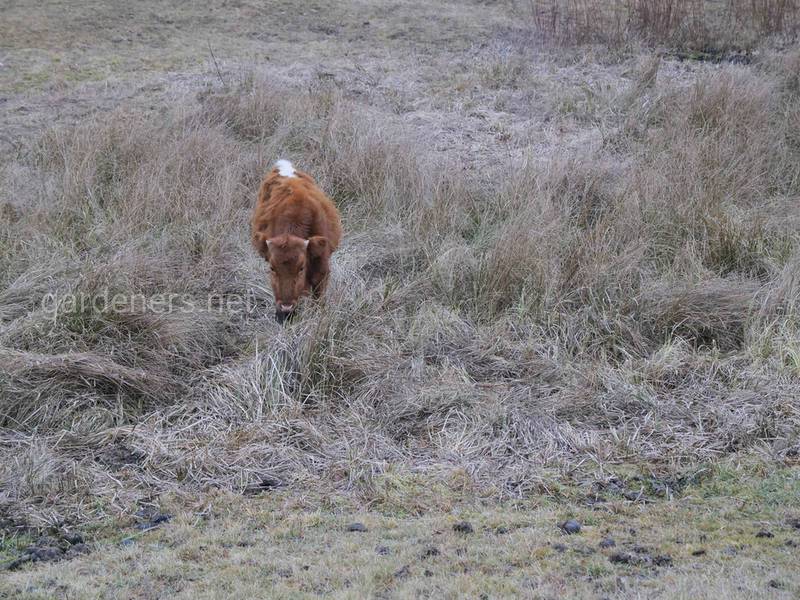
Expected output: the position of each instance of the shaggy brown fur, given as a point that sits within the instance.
(296, 228)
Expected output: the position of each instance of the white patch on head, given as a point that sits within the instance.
(285, 168)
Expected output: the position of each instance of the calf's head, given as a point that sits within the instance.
(291, 263)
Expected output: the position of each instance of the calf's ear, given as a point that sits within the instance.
(261, 242)
(318, 246)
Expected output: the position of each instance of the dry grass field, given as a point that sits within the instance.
(569, 288)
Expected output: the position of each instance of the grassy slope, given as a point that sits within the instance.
(648, 328)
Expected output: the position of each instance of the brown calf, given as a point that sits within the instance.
(296, 228)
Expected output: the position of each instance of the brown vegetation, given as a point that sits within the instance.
(604, 274)
(689, 24)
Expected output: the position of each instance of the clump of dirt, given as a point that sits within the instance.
(463, 527)
(50, 549)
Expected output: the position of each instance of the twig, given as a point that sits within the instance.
(214, 58)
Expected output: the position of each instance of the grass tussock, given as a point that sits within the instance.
(495, 324)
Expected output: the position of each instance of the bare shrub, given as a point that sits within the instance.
(770, 16)
(687, 24)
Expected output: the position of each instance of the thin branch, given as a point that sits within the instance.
(214, 58)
